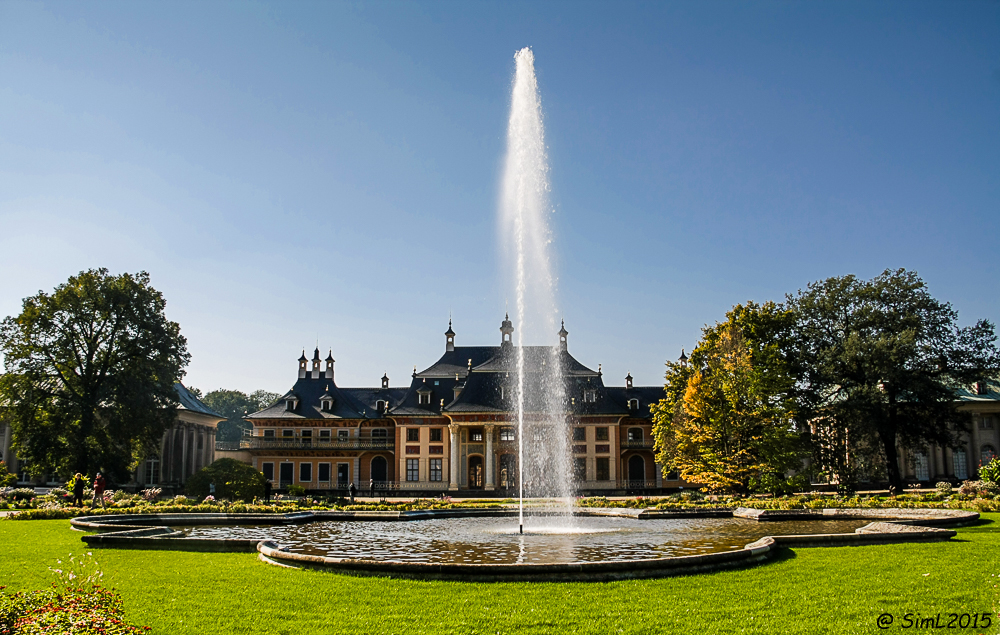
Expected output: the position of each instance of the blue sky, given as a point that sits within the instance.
(290, 172)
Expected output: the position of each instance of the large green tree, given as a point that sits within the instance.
(234, 405)
(89, 374)
(878, 363)
(727, 421)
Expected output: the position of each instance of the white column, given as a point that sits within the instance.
(453, 459)
(184, 453)
(489, 456)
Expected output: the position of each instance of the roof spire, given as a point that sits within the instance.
(563, 345)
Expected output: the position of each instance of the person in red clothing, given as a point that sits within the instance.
(98, 490)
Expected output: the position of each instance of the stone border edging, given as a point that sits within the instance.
(888, 526)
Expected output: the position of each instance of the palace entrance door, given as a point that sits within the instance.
(380, 471)
(636, 471)
(476, 472)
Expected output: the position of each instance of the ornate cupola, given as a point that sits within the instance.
(628, 381)
(303, 365)
(449, 338)
(563, 346)
(329, 365)
(316, 364)
(506, 331)
(683, 359)
(385, 380)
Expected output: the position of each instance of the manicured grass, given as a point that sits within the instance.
(821, 590)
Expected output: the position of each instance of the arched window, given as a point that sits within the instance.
(633, 404)
(987, 454)
(961, 463)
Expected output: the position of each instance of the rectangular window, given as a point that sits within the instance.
(589, 396)
(268, 434)
(579, 449)
(435, 434)
(476, 435)
(323, 473)
(268, 470)
(579, 434)
(602, 449)
(436, 469)
(580, 468)
(507, 434)
(380, 433)
(435, 449)
(324, 435)
(342, 435)
(305, 472)
(413, 449)
(986, 423)
(307, 436)
(424, 399)
(152, 471)
(603, 469)
(286, 433)
(413, 469)
(413, 434)
(635, 434)
(601, 434)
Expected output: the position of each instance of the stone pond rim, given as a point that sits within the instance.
(889, 526)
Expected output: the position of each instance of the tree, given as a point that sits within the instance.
(879, 362)
(90, 372)
(234, 405)
(728, 418)
(233, 479)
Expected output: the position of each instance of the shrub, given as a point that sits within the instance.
(991, 471)
(944, 488)
(20, 493)
(233, 480)
(151, 494)
(979, 488)
(296, 490)
(6, 478)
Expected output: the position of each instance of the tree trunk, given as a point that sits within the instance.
(888, 438)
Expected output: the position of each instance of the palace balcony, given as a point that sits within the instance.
(349, 443)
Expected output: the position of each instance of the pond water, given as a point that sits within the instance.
(496, 540)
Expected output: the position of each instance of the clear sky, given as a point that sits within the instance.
(294, 172)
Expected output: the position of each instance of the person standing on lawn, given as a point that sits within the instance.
(267, 491)
(78, 490)
(98, 490)
(353, 490)
(371, 488)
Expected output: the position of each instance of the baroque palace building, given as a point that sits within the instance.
(453, 428)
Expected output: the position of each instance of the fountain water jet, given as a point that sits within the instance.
(524, 209)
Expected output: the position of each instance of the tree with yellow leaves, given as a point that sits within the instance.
(727, 421)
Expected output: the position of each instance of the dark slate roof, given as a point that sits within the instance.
(457, 361)
(192, 403)
(969, 394)
(440, 387)
(536, 359)
(647, 395)
(348, 403)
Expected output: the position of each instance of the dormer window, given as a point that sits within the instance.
(291, 404)
(327, 405)
(982, 388)
(380, 406)
(424, 398)
(633, 404)
(589, 396)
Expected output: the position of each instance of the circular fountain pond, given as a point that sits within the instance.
(547, 540)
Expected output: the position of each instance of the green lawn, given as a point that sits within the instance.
(825, 590)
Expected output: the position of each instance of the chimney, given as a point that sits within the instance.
(449, 338)
(329, 365)
(316, 364)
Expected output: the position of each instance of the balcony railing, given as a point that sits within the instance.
(634, 485)
(637, 444)
(357, 443)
